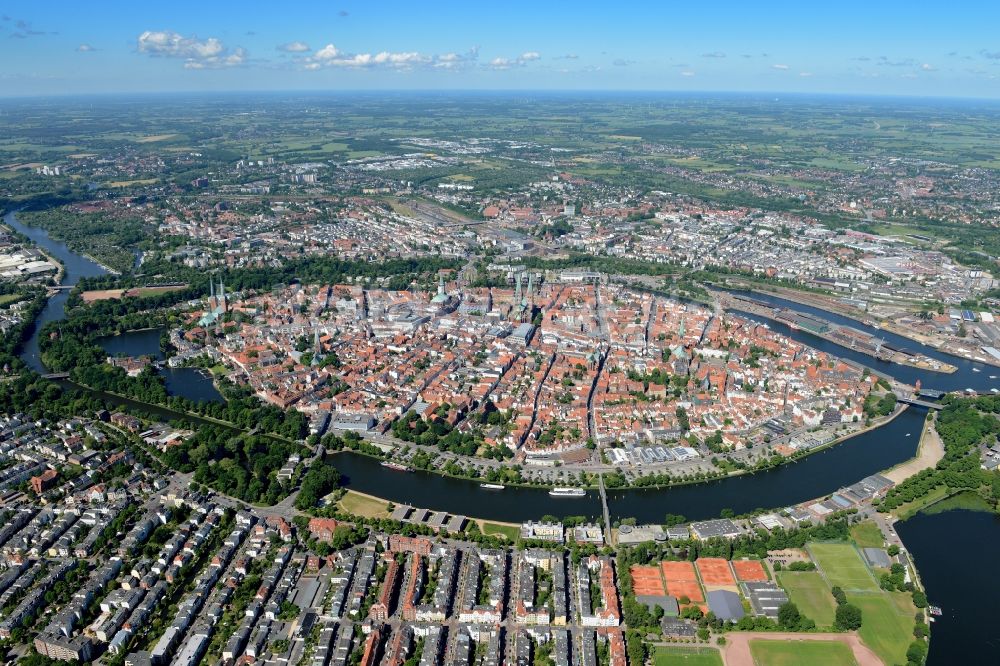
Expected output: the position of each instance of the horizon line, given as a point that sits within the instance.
(507, 91)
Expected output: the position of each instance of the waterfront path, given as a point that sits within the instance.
(737, 649)
(930, 451)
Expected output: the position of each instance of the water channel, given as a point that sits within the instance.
(190, 383)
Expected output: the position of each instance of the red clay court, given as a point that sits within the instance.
(750, 571)
(715, 571)
(686, 588)
(678, 571)
(682, 581)
(646, 581)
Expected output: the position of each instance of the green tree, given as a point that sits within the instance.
(848, 617)
(789, 616)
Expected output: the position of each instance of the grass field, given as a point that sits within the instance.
(886, 624)
(867, 535)
(9, 298)
(362, 505)
(842, 565)
(794, 653)
(129, 183)
(509, 531)
(678, 656)
(808, 591)
(904, 511)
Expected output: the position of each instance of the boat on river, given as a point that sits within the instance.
(399, 467)
(492, 486)
(567, 492)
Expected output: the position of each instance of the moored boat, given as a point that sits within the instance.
(567, 492)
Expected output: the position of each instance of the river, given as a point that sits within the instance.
(967, 593)
(75, 267)
(812, 476)
(188, 382)
(955, 553)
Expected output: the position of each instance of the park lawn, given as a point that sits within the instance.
(145, 292)
(794, 653)
(886, 623)
(511, 532)
(684, 656)
(9, 298)
(910, 509)
(129, 183)
(867, 535)
(842, 565)
(363, 505)
(808, 591)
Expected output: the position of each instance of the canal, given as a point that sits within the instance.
(970, 374)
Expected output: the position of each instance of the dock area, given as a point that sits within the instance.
(845, 336)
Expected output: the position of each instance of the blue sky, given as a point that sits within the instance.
(876, 47)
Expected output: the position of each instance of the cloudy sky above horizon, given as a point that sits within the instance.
(914, 48)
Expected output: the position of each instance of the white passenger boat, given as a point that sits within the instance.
(567, 492)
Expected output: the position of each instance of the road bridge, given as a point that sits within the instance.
(604, 506)
(917, 402)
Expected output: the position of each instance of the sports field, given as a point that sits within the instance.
(867, 535)
(886, 624)
(808, 591)
(681, 656)
(646, 580)
(796, 653)
(682, 581)
(749, 571)
(842, 565)
(715, 572)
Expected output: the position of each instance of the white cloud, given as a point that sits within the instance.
(294, 47)
(197, 53)
(519, 61)
(687, 72)
(805, 74)
(331, 56)
(85, 48)
(456, 60)
(782, 67)
(927, 67)
(714, 54)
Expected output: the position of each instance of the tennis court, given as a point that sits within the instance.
(682, 581)
(646, 581)
(715, 572)
(749, 571)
